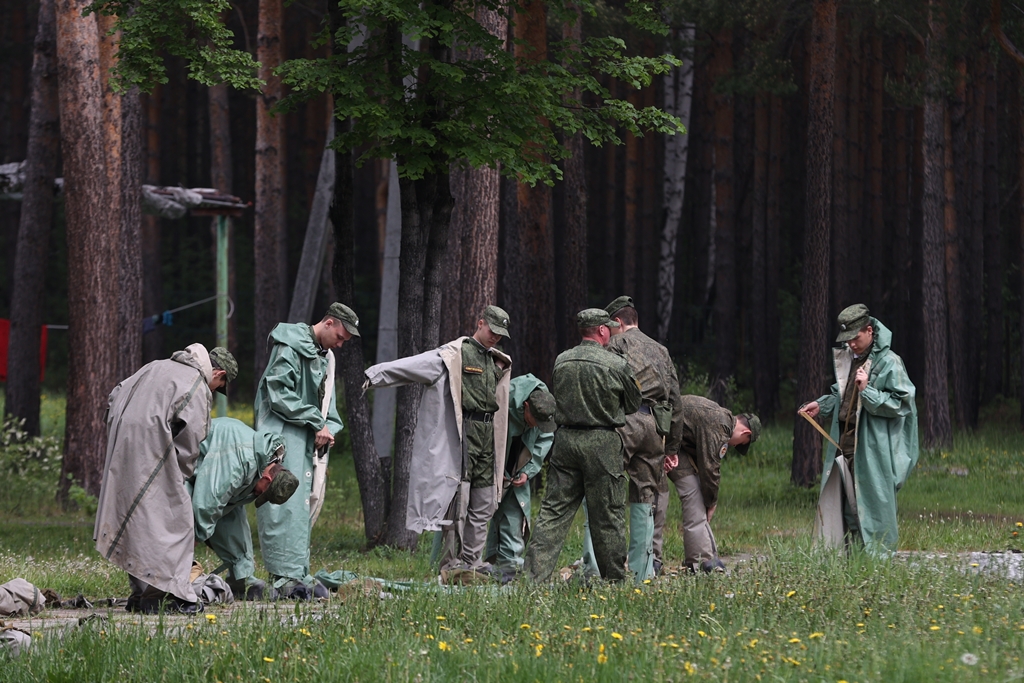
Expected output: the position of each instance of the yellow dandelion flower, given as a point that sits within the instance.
(538, 649)
(977, 629)
(442, 646)
(594, 616)
(1020, 524)
(712, 609)
(702, 634)
(212, 618)
(637, 590)
(440, 618)
(586, 629)
(468, 640)
(268, 660)
(567, 627)
(690, 668)
(647, 581)
(524, 626)
(790, 594)
(616, 636)
(933, 628)
(816, 634)
(859, 624)
(600, 648)
(602, 659)
(794, 640)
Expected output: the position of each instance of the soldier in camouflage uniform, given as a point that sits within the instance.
(707, 432)
(594, 391)
(644, 445)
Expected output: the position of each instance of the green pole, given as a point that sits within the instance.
(222, 300)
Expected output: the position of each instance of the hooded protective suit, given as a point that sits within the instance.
(156, 420)
(436, 468)
(506, 537)
(288, 403)
(231, 460)
(886, 447)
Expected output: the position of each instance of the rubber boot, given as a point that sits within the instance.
(641, 535)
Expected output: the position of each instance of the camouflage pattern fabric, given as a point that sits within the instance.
(594, 391)
(480, 378)
(707, 428)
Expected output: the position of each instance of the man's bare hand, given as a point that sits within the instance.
(520, 479)
(671, 462)
(711, 512)
(811, 409)
(323, 438)
(861, 380)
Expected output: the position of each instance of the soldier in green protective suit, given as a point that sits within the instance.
(531, 429)
(295, 398)
(237, 466)
(874, 421)
(594, 390)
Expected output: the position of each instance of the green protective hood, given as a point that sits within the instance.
(519, 391)
(264, 444)
(883, 339)
(296, 336)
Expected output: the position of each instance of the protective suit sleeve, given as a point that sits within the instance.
(282, 379)
(829, 402)
(539, 444)
(334, 423)
(889, 394)
(219, 479)
(424, 368)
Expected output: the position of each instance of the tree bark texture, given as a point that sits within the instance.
(936, 425)
(129, 249)
(814, 289)
(34, 227)
(726, 295)
(152, 281)
(92, 235)
(270, 209)
(956, 224)
(993, 244)
(841, 262)
(875, 256)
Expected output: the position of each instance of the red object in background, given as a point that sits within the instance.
(5, 336)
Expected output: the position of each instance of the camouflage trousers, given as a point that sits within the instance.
(583, 463)
(644, 451)
(698, 539)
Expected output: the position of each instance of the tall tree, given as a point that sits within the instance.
(726, 282)
(955, 221)
(993, 242)
(152, 282)
(92, 235)
(814, 288)
(937, 429)
(34, 227)
(269, 209)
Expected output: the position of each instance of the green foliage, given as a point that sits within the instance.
(83, 500)
(190, 29)
(31, 467)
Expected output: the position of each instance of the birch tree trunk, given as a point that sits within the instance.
(814, 289)
(34, 228)
(678, 101)
(92, 235)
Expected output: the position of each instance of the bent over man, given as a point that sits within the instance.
(237, 466)
(594, 390)
(459, 444)
(874, 422)
(707, 433)
(296, 399)
(156, 420)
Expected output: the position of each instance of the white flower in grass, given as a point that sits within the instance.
(969, 659)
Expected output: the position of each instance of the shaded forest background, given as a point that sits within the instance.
(913, 85)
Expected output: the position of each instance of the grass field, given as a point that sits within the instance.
(789, 613)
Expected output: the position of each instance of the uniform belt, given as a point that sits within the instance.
(586, 427)
(644, 408)
(478, 416)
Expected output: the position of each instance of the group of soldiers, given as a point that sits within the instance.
(613, 414)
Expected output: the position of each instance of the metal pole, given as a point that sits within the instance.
(222, 299)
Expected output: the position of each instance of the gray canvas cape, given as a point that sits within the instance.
(156, 420)
(436, 468)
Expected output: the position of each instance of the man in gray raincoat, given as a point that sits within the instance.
(874, 422)
(459, 443)
(156, 420)
(295, 398)
(531, 426)
(237, 466)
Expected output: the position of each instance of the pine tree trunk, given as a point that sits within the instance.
(22, 390)
(678, 100)
(993, 242)
(726, 296)
(573, 246)
(814, 289)
(876, 255)
(92, 235)
(759, 261)
(773, 260)
(956, 223)
(152, 284)
(975, 252)
(129, 249)
(901, 201)
(1020, 206)
(852, 249)
(842, 295)
(270, 209)
(937, 432)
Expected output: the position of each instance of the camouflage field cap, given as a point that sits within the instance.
(620, 303)
(223, 360)
(593, 317)
(496, 319)
(851, 321)
(542, 407)
(755, 431)
(281, 488)
(347, 317)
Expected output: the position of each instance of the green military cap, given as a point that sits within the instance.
(593, 317)
(281, 488)
(347, 317)
(222, 359)
(542, 407)
(755, 431)
(851, 321)
(496, 319)
(620, 303)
